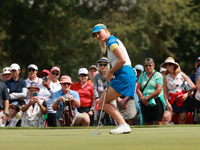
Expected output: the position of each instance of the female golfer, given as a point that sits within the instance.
(121, 76)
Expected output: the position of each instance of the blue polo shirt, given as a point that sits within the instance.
(4, 95)
(12, 84)
(60, 93)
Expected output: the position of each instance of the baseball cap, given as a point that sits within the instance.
(33, 66)
(197, 59)
(139, 67)
(66, 79)
(93, 66)
(6, 70)
(14, 66)
(55, 68)
(103, 59)
(82, 71)
(33, 85)
(45, 71)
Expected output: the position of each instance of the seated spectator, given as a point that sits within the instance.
(16, 86)
(12, 120)
(47, 93)
(32, 76)
(93, 70)
(86, 93)
(6, 75)
(69, 98)
(4, 103)
(34, 108)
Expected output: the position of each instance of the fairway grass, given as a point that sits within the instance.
(141, 138)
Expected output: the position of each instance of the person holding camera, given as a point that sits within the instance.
(46, 92)
(34, 108)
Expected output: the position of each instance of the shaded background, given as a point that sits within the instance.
(52, 32)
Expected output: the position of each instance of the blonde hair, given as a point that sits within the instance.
(102, 44)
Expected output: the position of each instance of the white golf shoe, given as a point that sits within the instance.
(121, 129)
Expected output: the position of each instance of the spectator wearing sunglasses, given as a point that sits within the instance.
(32, 76)
(86, 93)
(12, 120)
(175, 95)
(55, 83)
(47, 94)
(6, 75)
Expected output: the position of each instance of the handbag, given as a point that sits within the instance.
(186, 86)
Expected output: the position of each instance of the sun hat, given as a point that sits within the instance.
(93, 67)
(139, 67)
(45, 71)
(33, 85)
(169, 60)
(14, 66)
(103, 59)
(96, 29)
(32, 66)
(82, 71)
(15, 103)
(55, 68)
(197, 59)
(6, 70)
(66, 79)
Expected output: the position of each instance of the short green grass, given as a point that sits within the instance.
(141, 138)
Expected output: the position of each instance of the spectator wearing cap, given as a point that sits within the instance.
(16, 86)
(32, 76)
(100, 83)
(34, 109)
(6, 75)
(195, 102)
(66, 98)
(4, 103)
(93, 70)
(86, 93)
(47, 93)
(55, 83)
(12, 120)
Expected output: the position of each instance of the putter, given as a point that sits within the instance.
(97, 133)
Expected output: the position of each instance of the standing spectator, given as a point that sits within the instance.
(121, 76)
(34, 109)
(175, 95)
(73, 101)
(86, 93)
(93, 70)
(149, 89)
(195, 103)
(12, 120)
(47, 94)
(6, 75)
(16, 86)
(4, 103)
(55, 83)
(32, 76)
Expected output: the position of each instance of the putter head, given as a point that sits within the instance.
(96, 133)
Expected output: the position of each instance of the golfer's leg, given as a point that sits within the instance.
(109, 108)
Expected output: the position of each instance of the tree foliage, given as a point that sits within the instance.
(51, 32)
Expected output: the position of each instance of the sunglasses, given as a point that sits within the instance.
(55, 73)
(30, 69)
(168, 64)
(103, 64)
(66, 84)
(148, 66)
(17, 109)
(83, 75)
(44, 75)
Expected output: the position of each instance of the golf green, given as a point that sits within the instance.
(145, 138)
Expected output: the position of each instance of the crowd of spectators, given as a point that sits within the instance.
(167, 96)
